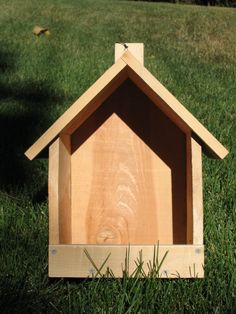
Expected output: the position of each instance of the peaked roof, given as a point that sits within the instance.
(128, 67)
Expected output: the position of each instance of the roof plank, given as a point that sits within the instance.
(170, 105)
(127, 66)
(108, 81)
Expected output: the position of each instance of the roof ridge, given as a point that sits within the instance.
(127, 67)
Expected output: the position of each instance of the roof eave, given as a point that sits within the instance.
(171, 106)
(83, 107)
(128, 66)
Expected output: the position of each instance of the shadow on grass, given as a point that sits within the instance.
(19, 296)
(26, 112)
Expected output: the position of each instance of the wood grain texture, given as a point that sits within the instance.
(53, 193)
(197, 193)
(128, 174)
(83, 106)
(194, 192)
(170, 105)
(136, 49)
(184, 261)
(120, 201)
(64, 185)
(128, 65)
(189, 179)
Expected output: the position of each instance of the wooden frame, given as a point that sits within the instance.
(64, 257)
(106, 113)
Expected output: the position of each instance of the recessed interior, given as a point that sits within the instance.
(128, 174)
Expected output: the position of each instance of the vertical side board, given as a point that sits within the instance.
(197, 194)
(53, 197)
(59, 191)
(64, 187)
(194, 192)
(189, 185)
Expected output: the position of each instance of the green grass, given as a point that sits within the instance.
(192, 51)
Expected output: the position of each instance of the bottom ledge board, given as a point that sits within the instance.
(179, 261)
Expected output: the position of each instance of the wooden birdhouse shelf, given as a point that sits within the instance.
(125, 174)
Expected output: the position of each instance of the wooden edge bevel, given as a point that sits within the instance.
(179, 261)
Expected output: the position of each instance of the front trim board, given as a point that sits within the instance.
(185, 261)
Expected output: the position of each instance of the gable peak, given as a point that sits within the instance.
(136, 49)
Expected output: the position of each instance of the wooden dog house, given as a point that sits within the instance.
(125, 171)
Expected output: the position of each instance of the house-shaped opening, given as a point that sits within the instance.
(128, 174)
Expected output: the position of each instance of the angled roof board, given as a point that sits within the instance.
(127, 67)
(83, 107)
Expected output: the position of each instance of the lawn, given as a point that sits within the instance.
(192, 51)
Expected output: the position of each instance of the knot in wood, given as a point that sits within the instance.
(108, 235)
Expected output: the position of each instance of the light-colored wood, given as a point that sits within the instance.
(65, 234)
(126, 170)
(106, 84)
(53, 190)
(194, 192)
(84, 106)
(189, 179)
(184, 261)
(114, 201)
(173, 108)
(197, 197)
(134, 187)
(137, 50)
(96, 103)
